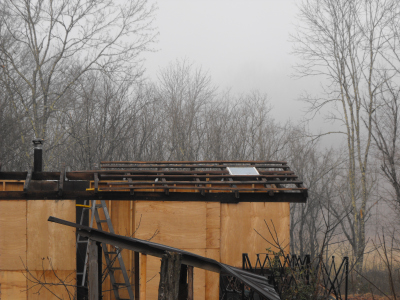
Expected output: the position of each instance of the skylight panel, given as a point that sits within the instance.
(242, 171)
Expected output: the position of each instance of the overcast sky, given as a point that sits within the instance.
(243, 45)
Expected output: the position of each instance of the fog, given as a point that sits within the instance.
(243, 45)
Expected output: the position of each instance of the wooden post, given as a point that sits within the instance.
(169, 276)
(183, 287)
(93, 275)
(137, 276)
(190, 283)
(143, 274)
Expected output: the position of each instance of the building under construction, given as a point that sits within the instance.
(213, 209)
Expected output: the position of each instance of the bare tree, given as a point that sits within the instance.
(184, 91)
(386, 119)
(342, 40)
(319, 169)
(46, 48)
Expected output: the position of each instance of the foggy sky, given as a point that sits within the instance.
(243, 45)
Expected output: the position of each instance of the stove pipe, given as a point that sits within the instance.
(37, 155)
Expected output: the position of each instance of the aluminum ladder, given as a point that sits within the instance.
(110, 256)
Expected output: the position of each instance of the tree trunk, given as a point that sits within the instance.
(169, 276)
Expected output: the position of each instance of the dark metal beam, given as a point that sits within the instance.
(258, 283)
(141, 246)
(152, 196)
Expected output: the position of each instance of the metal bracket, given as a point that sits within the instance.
(28, 181)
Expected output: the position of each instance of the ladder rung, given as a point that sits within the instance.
(115, 268)
(102, 221)
(82, 242)
(98, 205)
(119, 284)
(110, 252)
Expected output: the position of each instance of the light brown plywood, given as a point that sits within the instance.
(152, 277)
(12, 234)
(213, 234)
(14, 185)
(199, 277)
(48, 239)
(213, 214)
(120, 214)
(13, 285)
(176, 224)
(212, 278)
(213, 238)
(238, 225)
(60, 283)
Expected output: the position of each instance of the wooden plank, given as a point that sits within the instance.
(177, 224)
(243, 219)
(12, 234)
(137, 275)
(212, 278)
(190, 283)
(143, 276)
(221, 162)
(14, 185)
(49, 240)
(60, 283)
(213, 231)
(153, 277)
(13, 285)
(199, 277)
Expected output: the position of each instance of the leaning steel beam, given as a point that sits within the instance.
(258, 283)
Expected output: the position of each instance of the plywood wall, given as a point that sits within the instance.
(33, 250)
(219, 231)
(243, 229)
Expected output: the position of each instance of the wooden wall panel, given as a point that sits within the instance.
(13, 285)
(212, 278)
(237, 228)
(50, 240)
(199, 277)
(152, 277)
(120, 211)
(213, 234)
(178, 224)
(12, 234)
(60, 283)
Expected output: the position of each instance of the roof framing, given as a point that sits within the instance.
(165, 181)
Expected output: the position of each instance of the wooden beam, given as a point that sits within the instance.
(28, 181)
(137, 276)
(143, 275)
(93, 275)
(190, 283)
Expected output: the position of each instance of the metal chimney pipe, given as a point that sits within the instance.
(37, 155)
